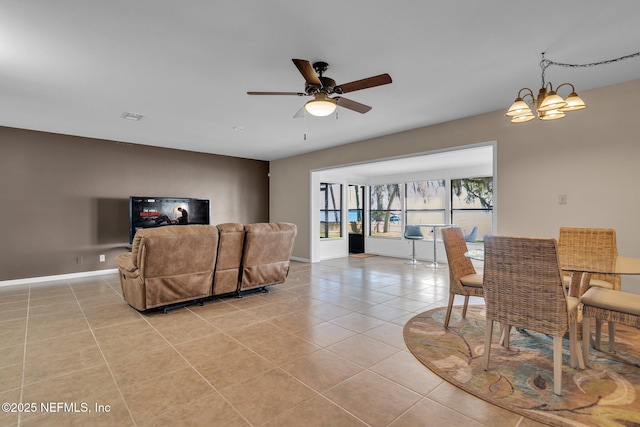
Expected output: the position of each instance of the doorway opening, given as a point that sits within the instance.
(355, 203)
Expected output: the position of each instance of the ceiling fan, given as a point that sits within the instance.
(321, 88)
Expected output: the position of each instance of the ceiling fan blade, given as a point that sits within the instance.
(352, 105)
(382, 79)
(301, 112)
(307, 72)
(277, 93)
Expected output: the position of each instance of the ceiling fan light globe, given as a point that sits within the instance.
(320, 107)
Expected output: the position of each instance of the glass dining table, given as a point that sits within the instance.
(581, 274)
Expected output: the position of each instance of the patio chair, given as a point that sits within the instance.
(463, 278)
(472, 236)
(413, 233)
(523, 288)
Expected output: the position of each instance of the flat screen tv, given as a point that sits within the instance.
(148, 212)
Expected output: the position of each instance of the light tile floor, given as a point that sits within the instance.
(323, 349)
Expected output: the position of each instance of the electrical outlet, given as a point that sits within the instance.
(562, 199)
(102, 258)
(79, 260)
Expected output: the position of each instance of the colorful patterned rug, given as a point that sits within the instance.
(520, 378)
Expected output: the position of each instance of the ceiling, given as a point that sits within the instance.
(75, 66)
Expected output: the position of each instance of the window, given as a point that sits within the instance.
(385, 210)
(472, 205)
(426, 202)
(330, 210)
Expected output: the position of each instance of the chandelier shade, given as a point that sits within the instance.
(550, 101)
(574, 102)
(523, 118)
(518, 108)
(551, 115)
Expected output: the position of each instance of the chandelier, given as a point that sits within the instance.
(549, 105)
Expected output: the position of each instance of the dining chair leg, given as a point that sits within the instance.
(586, 339)
(557, 365)
(464, 307)
(598, 332)
(575, 350)
(505, 333)
(447, 316)
(612, 336)
(572, 346)
(488, 332)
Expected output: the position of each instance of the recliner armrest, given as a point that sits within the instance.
(125, 262)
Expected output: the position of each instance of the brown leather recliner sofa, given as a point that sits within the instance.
(266, 254)
(231, 243)
(184, 263)
(168, 265)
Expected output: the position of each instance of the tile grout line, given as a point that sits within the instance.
(193, 367)
(106, 362)
(316, 393)
(364, 368)
(274, 365)
(24, 354)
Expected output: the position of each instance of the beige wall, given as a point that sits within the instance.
(592, 156)
(66, 197)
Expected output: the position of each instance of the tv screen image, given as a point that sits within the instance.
(148, 212)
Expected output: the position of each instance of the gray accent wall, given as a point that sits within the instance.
(64, 200)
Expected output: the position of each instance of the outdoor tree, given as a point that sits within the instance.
(480, 189)
(383, 197)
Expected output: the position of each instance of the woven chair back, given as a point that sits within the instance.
(580, 247)
(523, 284)
(459, 265)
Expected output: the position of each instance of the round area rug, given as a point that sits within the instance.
(520, 378)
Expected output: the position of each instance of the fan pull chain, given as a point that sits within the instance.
(305, 125)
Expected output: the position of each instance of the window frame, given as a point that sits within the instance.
(390, 212)
(325, 212)
(442, 184)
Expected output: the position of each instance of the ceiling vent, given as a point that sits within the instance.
(132, 116)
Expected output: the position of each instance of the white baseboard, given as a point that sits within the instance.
(295, 258)
(40, 279)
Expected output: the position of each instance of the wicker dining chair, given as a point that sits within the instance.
(523, 288)
(580, 247)
(463, 278)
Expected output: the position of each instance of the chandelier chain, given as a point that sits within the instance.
(545, 63)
